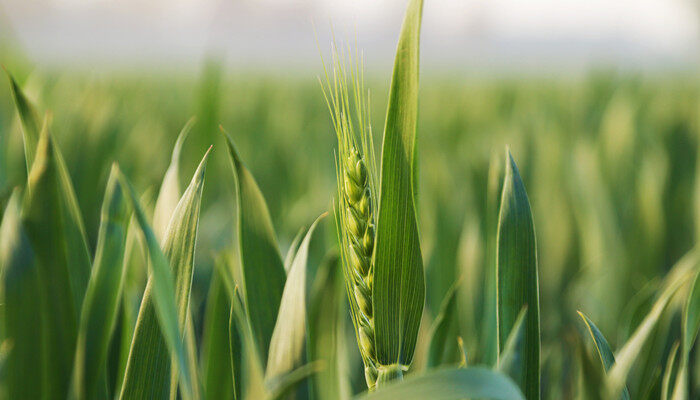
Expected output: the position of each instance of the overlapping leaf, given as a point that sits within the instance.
(24, 318)
(62, 259)
(101, 303)
(288, 346)
(451, 384)
(398, 293)
(148, 371)
(518, 284)
(607, 358)
(261, 264)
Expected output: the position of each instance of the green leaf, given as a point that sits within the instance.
(244, 353)
(235, 343)
(262, 269)
(328, 316)
(24, 320)
(29, 119)
(293, 248)
(443, 347)
(101, 303)
(691, 325)
(518, 284)
(666, 382)
(451, 384)
(679, 275)
(281, 385)
(399, 283)
(592, 376)
(489, 334)
(288, 346)
(216, 358)
(62, 256)
(510, 361)
(607, 358)
(77, 251)
(169, 194)
(148, 370)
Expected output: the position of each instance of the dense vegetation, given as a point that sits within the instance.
(608, 161)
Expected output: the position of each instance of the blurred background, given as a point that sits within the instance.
(598, 100)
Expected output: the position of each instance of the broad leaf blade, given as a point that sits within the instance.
(288, 346)
(510, 361)
(679, 274)
(62, 280)
(668, 371)
(451, 384)
(160, 322)
(23, 315)
(77, 252)
(518, 284)
(607, 358)
(399, 290)
(101, 303)
(261, 264)
(29, 119)
(443, 346)
(169, 194)
(216, 358)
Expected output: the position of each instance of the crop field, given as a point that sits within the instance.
(343, 233)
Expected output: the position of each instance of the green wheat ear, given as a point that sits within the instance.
(356, 202)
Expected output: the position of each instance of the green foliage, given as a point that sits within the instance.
(399, 283)
(518, 282)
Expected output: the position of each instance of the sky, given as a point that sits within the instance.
(287, 34)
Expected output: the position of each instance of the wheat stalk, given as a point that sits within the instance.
(356, 177)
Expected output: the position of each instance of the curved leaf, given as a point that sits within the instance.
(29, 118)
(288, 346)
(451, 384)
(443, 348)
(99, 310)
(510, 361)
(518, 284)
(261, 264)
(24, 321)
(216, 358)
(607, 358)
(62, 256)
(399, 283)
(148, 369)
(679, 274)
(169, 194)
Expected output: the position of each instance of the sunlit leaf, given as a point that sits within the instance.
(399, 284)
(451, 384)
(518, 282)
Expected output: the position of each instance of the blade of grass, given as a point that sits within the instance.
(29, 119)
(99, 310)
(451, 384)
(518, 283)
(24, 321)
(510, 361)
(160, 323)
(169, 194)
(261, 264)
(443, 345)
(216, 358)
(398, 294)
(679, 275)
(62, 282)
(607, 358)
(668, 371)
(289, 344)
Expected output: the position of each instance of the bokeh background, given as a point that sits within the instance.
(598, 100)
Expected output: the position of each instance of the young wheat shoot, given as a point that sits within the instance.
(356, 176)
